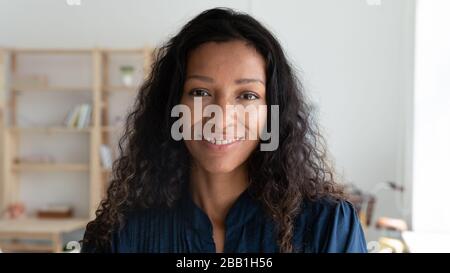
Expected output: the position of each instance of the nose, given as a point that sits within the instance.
(228, 118)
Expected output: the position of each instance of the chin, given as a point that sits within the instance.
(219, 167)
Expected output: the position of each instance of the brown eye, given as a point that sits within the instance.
(199, 93)
(249, 96)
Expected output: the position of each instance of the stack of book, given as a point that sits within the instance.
(79, 117)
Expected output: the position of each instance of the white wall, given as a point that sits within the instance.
(357, 63)
(354, 58)
(432, 118)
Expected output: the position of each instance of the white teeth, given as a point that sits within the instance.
(221, 142)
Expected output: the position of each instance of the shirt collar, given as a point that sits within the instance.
(242, 211)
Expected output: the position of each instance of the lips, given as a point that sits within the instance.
(220, 142)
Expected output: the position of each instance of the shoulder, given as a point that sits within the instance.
(332, 226)
(329, 208)
(139, 226)
(129, 231)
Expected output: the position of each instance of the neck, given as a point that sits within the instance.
(216, 193)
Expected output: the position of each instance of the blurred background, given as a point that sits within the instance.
(376, 71)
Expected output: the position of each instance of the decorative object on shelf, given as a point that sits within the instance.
(15, 211)
(30, 80)
(54, 211)
(106, 156)
(127, 72)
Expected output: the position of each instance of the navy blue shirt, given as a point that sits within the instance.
(322, 226)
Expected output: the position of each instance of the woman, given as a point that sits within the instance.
(223, 195)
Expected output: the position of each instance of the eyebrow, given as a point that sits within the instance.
(238, 81)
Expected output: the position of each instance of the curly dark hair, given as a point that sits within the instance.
(152, 167)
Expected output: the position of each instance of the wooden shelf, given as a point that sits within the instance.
(101, 61)
(49, 130)
(50, 230)
(50, 167)
(21, 247)
(51, 51)
(69, 51)
(119, 88)
(123, 50)
(18, 88)
(36, 225)
(108, 129)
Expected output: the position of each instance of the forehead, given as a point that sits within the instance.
(226, 59)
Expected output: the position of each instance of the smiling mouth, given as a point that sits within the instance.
(219, 142)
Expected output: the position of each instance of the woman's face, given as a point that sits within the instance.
(225, 74)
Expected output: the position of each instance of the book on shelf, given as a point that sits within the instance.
(84, 118)
(79, 117)
(106, 156)
(71, 117)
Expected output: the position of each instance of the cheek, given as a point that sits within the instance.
(262, 118)
(254, 122)
(195, 117)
